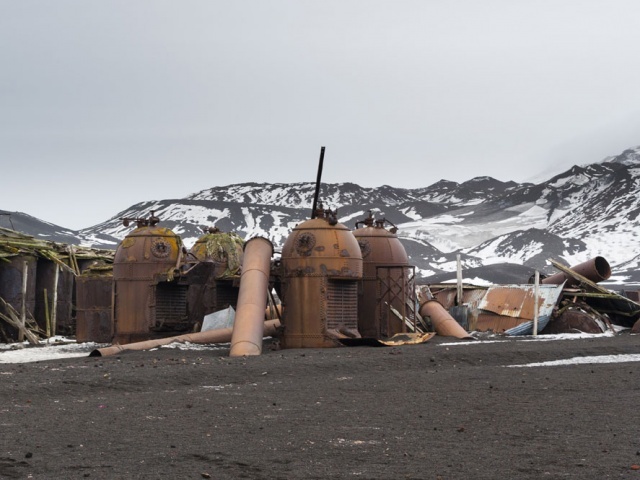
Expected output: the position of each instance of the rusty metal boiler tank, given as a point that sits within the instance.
(214, 263)
(388, 281)
(147, 300)
(321, 265)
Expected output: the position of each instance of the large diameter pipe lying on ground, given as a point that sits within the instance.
(221, 335)
(252, 298)
(596, 270)
(442, 321)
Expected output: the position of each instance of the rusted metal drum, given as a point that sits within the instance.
(94, 297)
(322, 265)
(147, 302)
(387, 281)
(11, 283)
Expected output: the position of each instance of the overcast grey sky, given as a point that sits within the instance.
(104, 104)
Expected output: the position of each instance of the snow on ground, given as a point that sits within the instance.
(628, 357)
(62, 347)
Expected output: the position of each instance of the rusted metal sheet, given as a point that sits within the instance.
(487, 321)
(470, 296)
(517, 302)
(94, 296)
(322, 265)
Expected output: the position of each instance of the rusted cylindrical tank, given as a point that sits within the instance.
(596, 270)
(213, 262)
(322, 265)
(94, 308)
(387, 281)
(248, 328)
(11, 284)
(147, 302)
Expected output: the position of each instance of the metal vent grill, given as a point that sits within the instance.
(171, 304)
(342, 305)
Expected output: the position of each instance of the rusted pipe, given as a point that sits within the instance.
(596, 270)
(221, 335)
(443, 322)
(252, 298)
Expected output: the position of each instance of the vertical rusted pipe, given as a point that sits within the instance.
(443, 322)
(318, 178)
(248, 328)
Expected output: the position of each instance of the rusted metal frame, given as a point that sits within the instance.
(403, 282)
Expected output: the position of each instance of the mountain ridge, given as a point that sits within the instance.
(586, 211)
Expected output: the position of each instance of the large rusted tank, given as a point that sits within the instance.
(148, 301)
(94, 304)
(213, 273)
(322, 265)
(388, 289)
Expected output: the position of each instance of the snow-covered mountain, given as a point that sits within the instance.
(584, 212)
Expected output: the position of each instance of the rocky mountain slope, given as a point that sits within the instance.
(584, 212)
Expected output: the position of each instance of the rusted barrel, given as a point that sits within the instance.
(596, 270)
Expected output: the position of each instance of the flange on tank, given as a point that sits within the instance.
(322, 266)
(147, 300)
(388, 286)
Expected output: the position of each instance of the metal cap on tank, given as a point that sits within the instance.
(379, 245)
(148, 250)
(223, 249)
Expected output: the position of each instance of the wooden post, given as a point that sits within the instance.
(54, 306)
(47, 317)
(536, 296)
(23, 309)
(459, 281)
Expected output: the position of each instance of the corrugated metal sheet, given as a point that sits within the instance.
(547, 300)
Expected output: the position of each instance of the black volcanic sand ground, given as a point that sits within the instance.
(426, 411)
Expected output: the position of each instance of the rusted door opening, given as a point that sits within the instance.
(396, 299)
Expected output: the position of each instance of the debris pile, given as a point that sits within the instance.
(37, 284)
(568, 302)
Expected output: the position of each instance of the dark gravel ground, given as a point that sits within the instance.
(425, 412)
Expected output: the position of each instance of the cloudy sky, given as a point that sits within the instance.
(104, 104)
